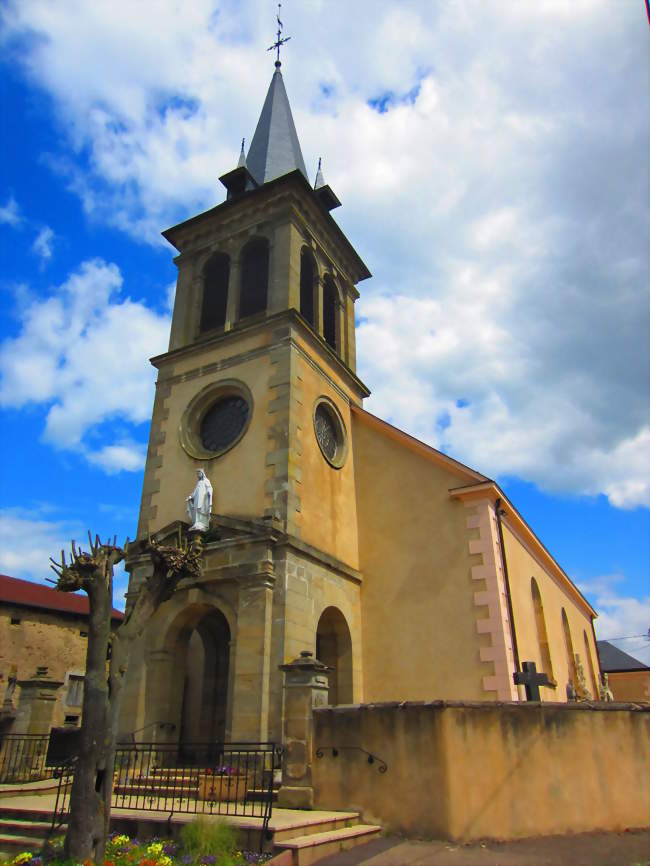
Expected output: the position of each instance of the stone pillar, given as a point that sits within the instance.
(250, 721)
(234, 291)
(163, 698)
(305, 687)
(36, 705)
(318, 306)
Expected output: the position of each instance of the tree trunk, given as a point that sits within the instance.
(92, 787)
(85, 838)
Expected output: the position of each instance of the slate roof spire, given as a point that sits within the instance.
(275, 149)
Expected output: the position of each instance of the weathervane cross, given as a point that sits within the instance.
(280, 40)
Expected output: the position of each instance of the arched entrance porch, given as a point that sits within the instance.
(189, 677)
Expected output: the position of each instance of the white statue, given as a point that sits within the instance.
(199, 503)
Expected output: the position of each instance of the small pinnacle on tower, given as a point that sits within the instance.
(242, 155)
(320, 180)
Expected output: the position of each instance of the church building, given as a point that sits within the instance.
(411, 575)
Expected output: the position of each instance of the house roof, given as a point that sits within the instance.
(613, 659)
(25, 593)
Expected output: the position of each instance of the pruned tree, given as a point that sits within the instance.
(92, 572)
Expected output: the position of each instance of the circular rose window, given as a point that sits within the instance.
(216, 419)
(330, 433)
(223, 423)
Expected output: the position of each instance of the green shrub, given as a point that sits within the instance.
(202, 839)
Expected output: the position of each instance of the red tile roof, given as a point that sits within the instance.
(13, 590)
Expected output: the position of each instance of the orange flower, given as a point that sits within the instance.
(109, 863)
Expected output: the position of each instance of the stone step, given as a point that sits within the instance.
(15, 844)
(311, 826)
(157, 791)
(17, 827)
(309, 849)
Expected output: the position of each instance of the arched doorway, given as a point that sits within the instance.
(189, 676)
(334, 648)
(205, 683)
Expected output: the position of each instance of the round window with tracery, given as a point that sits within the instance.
(216, 419)
(330, 433)
(223, 423)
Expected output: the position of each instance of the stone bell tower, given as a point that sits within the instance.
(255, 390)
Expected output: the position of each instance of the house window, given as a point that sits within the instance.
(75, 691)
(15, 620)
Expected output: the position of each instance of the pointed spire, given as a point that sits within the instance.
(275, 149)
(242, 155)
(320, 180)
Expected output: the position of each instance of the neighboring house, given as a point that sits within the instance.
(411, 575)
(43, 637)
(629, 679)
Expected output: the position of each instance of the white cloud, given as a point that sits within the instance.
(43, 244)
(10, 213)
(126, 455)
(623, 619)
(27, 542)
(83, 352)
(500, 197)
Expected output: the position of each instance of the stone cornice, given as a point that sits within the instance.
(291, 316)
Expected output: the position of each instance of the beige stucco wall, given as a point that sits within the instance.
(500, 771)
(237, 476)
(556, 595)
(419, 619)
(328, 507)
(42, 638)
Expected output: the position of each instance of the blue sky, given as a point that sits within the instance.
(492, 163)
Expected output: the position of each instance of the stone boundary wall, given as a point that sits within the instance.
(467, 771)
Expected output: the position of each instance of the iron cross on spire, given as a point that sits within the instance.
(280, 40)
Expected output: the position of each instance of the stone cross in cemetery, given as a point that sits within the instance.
(531, 679)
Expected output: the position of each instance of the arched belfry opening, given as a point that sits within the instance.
(254, 277)
(193, 692)
(307, 285)
(330, 312)
(334, 648)
(216, 274)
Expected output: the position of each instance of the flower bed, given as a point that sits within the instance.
(123, 851)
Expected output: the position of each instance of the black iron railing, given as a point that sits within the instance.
(199, 778)
(23, 758)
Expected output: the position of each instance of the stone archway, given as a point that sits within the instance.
(205, 681)
(334, 648)
(188, 677)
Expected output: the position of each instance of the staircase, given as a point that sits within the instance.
(24, 829)
(307, 840)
